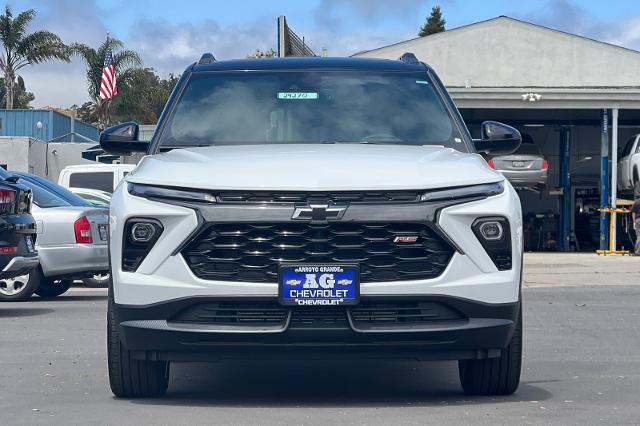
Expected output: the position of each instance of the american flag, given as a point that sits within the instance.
(108, 87)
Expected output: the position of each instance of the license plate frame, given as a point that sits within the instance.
(342, 273)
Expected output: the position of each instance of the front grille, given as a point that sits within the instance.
(306, 197)
(251, 252)
(233, 313)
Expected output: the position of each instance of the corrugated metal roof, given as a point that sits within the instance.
(23, 122)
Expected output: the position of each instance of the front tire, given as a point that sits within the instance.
(494, 376)
(129, 377)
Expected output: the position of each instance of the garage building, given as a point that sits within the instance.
(578, 100)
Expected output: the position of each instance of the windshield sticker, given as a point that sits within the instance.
(422, 82)
(297, 95)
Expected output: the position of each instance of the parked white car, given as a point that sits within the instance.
(71, 242)
(629, 165)
(103, 177)
(94, 196)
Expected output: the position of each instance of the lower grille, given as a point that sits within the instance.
(365, 316)
(405, 313)
(239, 314)
(318, 317)
(251, 252)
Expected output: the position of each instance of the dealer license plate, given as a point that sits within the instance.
(518, 164)
(319, 285)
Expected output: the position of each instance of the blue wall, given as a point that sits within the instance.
(22, 122)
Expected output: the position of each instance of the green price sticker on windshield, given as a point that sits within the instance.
(297, 95)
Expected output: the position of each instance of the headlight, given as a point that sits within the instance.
(473, 191)
(168, 193)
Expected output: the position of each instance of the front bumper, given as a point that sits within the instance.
(164, 275)
(74, 260)
(479, 331)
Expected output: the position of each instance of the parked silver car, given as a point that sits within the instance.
(94, 196)
(71, 241)
(526, 168)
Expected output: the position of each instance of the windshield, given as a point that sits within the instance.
(43, 198)
(310, 107)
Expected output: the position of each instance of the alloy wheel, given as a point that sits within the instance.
(13, 286)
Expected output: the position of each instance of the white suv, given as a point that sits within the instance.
(313, 207)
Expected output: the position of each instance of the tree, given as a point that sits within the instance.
(142, 96)
(124, 62)
(434, 23)
(22, 49)
(269, 53)
(21, 98)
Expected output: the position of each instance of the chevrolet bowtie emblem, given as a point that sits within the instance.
(319, 212)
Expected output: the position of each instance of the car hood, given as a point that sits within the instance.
(314, 167)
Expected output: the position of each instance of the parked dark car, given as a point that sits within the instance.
(18, 255)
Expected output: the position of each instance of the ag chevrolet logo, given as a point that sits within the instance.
(319, 212)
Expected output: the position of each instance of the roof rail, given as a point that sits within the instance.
(207, 58)
(409, 58)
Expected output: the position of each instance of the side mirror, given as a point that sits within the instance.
(497, 139)
(122, 139)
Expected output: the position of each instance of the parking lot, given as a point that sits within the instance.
(582, 366)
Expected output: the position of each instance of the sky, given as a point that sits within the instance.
(171, 34)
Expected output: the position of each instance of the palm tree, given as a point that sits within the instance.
(21, 49)
(124, 62)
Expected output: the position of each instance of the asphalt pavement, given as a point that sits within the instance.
(582, 366)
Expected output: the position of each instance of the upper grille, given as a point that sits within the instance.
(251, 252)
(305, 197)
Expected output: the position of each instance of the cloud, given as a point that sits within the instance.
(570, 17)
(57, 83)
(330, 13)
(170, 47)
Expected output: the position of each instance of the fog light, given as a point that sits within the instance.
(491, 231)
(142, 232)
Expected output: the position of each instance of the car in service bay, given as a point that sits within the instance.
(526, 168)
(18, 254)
(323, 207)
(71, 242)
